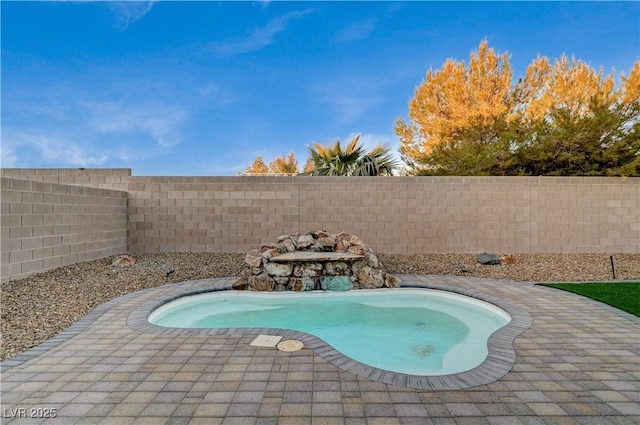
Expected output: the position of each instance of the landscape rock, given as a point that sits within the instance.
(370, 278)
(240, 284)
(391, 281)
(356, 249)
(270, 252)
(336, 268)
(356, 266)
(306, 273)
(312, 269)
(278, 269)
(124, 260)
(372, 260)
(253, 258)
(508, 259)
(336, 283)
(488, 259)
(261, 282)
(289, 246)
(305, 241)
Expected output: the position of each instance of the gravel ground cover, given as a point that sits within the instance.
(38, 307)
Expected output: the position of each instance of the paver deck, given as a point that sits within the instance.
(578, 363)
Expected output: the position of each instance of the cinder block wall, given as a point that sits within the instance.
(392, 214)
(46, 225)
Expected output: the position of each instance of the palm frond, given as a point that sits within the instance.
(353, 160)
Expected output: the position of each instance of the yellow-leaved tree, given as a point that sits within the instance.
(257, 166)
(568, 85)
(572, 120)
(284, 165)
(280, 165)
(631, 87)
(561, 118)
(455, 99)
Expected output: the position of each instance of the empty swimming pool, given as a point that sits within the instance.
(407, 330)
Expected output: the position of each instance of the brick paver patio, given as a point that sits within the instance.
(579, 363)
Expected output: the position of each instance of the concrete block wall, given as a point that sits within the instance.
(106, 178)
(46, 225)
(392, 214)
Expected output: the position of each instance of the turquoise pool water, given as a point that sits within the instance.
(414, 331)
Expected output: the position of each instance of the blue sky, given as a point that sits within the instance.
(202, 88)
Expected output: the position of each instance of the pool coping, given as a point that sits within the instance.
(499, 361)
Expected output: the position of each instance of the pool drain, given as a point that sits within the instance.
(290, 345)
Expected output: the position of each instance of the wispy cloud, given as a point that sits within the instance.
(258, 38)
(348, 97)
(358, 30)
(219, 96)
(92, 133)
(8, 158)
(48, 149)
(348, 108)
(127, 12)
(158, 120)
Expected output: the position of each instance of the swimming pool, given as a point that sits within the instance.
(407, 330)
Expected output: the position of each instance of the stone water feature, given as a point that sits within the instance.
(315, 260)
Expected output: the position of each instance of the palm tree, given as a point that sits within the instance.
(333, 160)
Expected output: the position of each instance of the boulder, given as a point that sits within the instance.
(342, 242)
(356, 249)
(269, 253)
(335, 283)
(288, 245)
(336, 268)
(305, 241)
(312, 269)
(278, 269)
(253, 258)
(261, 282)
(356, 266)
(240, 284)
(327, 242)
(321, 234)
(295, 284)
(268, 246)
(391, 281)
(302, 284)
(282, 238)
(354, 240)
(488, 259)
(372, 260)
(370, 278)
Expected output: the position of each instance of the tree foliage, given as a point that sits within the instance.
(561, 118)
(280, 165)
(455, 99)
(284, 165)
(352, 160)
(257, 166)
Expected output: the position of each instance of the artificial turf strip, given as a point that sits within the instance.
(622, 295)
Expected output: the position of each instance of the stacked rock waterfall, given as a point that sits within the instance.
(357, 268)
